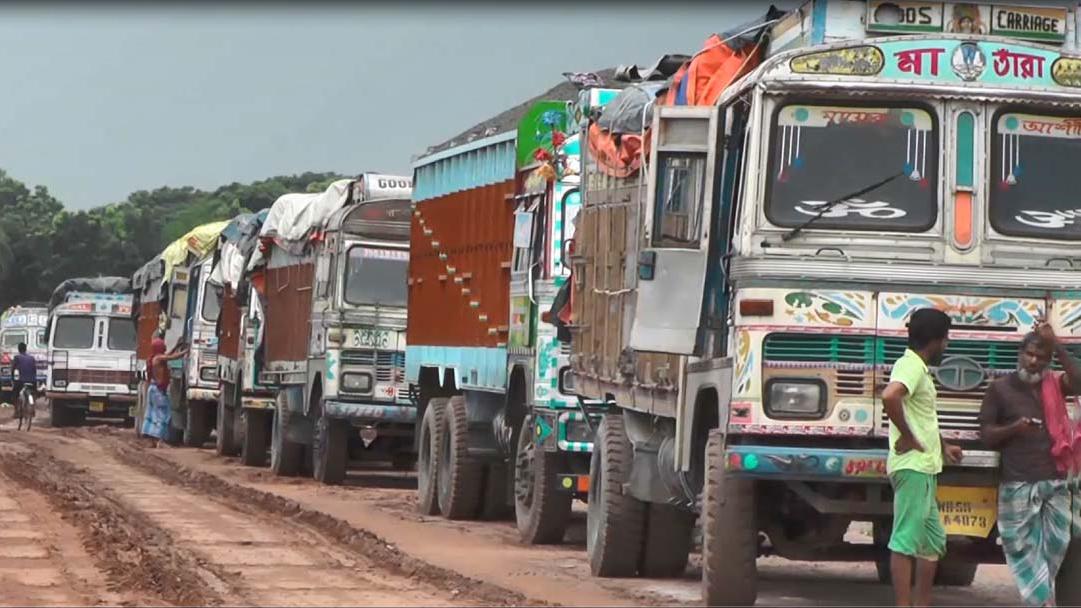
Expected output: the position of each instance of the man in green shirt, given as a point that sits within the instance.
(915, 459)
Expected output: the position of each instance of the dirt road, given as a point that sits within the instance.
(92, 516)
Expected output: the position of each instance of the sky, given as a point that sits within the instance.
(102, 100)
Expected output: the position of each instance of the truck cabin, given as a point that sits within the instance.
(24, 323)
(372, 254)
(89, 332)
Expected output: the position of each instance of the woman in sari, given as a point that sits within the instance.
(158, 410)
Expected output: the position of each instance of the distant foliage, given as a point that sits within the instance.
(42, 244)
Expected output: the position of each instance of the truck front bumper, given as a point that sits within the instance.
(830, 464)
(371, 412)
(109, 406)
(203, 394)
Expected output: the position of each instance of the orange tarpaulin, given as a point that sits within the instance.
(700, 82)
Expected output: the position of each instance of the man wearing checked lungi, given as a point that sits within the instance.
(1024, 416)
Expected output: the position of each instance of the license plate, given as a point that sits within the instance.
(372, 338)
(968, 511)
(97, 406)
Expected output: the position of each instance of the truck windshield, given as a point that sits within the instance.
(817, 152)
(376, 276)
(121, 334)
(74, 332)
(1033, 160)
(11, 339)
(211, 303)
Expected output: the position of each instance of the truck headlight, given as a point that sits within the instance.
(796, 398)
(208, 374)
(60, 383)
(357, 382)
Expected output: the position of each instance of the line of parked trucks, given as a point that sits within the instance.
(661, 298)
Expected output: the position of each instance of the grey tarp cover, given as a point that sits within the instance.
(236, 243)
(88, 285)
(632, 109)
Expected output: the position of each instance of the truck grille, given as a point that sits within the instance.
(94, 376)
(992, 355)
(385, 363)
(859, 361)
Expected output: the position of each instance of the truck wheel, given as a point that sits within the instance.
(430, 443)
(255, 427)
(957, 573)
(540, 508)
(729, 534)
(286, 457)
(614, 520)
(458, 475)
(58, 414)
(330, 449)
(495, 506)
(196, 429)
(1068, 582)
(668, 541)
(226, 438)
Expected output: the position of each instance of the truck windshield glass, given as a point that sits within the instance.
(74, 332)
(211, 303)
(1033, 176)
(121, 334)
(376, 276)
(817, 152)
(11, 339)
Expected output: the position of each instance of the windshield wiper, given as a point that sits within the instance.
(793, 233)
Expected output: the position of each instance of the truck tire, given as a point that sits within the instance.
(286, 457)
(541, 510)
(494, 503)
(614, 521)
(225, 444)
(729, 534)
(956, 573)
(196, 430)
(430, 446)
(459, 475)
(59, 416)
(254, 437)
(667, 545)
(330, 449)
(1068, 581)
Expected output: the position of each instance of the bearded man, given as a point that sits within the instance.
(1024, 416)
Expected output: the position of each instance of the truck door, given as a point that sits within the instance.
(674, 253)
(178, 307)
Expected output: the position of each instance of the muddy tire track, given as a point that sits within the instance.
(357, 540)
(134, 553)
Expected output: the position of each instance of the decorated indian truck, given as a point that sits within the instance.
(91, 351)
(500, 429)
(330, 274)
(809, 184)
(22, 324)
(191, 307)
(245, 407)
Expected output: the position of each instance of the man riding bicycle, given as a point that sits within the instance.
(24, 370)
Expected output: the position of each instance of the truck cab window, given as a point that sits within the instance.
(74, 332)
(677, 213)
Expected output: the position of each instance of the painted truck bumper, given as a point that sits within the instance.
(816, 464)
(371, 412)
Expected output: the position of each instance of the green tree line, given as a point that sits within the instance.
(42, 243)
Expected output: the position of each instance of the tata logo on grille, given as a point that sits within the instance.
(960, 374)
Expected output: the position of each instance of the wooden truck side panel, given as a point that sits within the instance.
(606, 246)
(149, 317)
(288, 310)
(229, 326)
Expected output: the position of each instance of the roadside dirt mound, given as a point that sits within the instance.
(133, 552)
(361, 541)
